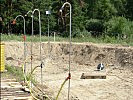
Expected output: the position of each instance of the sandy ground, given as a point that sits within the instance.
(118, 62)
(117, 86)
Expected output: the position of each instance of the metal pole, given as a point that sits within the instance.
(32, 45)
(69, 49)
(48, 28)
(40, 47)
(24, 43)
(48, 38)
(39, 30)
(69, 45)
(40, 41)
(31, 39)
(48, 13)
(24, 48)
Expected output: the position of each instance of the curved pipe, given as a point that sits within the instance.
(70, 27)
(67, 3)
(28, 12)
(39, 29)
(24, 42)
(23, 19)
(33, 34)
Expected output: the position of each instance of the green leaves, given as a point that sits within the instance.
(110, 17)
(119, 26)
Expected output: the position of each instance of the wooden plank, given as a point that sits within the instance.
(8, 80)
(94, 75)
(16, 98)
(11, 90)
(23, 98)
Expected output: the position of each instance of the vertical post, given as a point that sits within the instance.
(54, 36)
(40, 38)
(48, 38)
(31, 39)
(40, 47)
(48, 13)
(69, 52)
(40, 42)
(24, 48)
(69, 45)
(32, 42)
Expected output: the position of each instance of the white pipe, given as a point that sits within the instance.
(39, 33)
(54, 36)
(24, 42)
(40, 39)
(67, 3)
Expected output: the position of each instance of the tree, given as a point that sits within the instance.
(129, 9)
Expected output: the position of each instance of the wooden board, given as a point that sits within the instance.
(12, 90)
(94, 75)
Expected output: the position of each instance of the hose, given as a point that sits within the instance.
(28, 83)
(60, 89)
(69, 77)
(29, 86)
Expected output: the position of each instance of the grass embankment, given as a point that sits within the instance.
(106, 39)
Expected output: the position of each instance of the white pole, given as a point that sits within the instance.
(48, 13)
(54, 36)
(40, 42)
(40, 39)
(69, 44)
(24, 43)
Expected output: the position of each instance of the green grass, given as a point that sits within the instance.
(36, 38)
(13, 72)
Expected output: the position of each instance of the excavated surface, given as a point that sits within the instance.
(85, 57)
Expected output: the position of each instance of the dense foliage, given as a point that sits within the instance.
(89, 17)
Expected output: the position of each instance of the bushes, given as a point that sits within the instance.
(79, 33)
(93, 17)
(115, 27)
(118, 26)
(95, 27)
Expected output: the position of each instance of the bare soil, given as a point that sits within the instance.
(85, 57)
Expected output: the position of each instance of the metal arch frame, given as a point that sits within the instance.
(67, 3)
(24, 42)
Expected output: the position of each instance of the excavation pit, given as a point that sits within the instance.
(117, 75)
